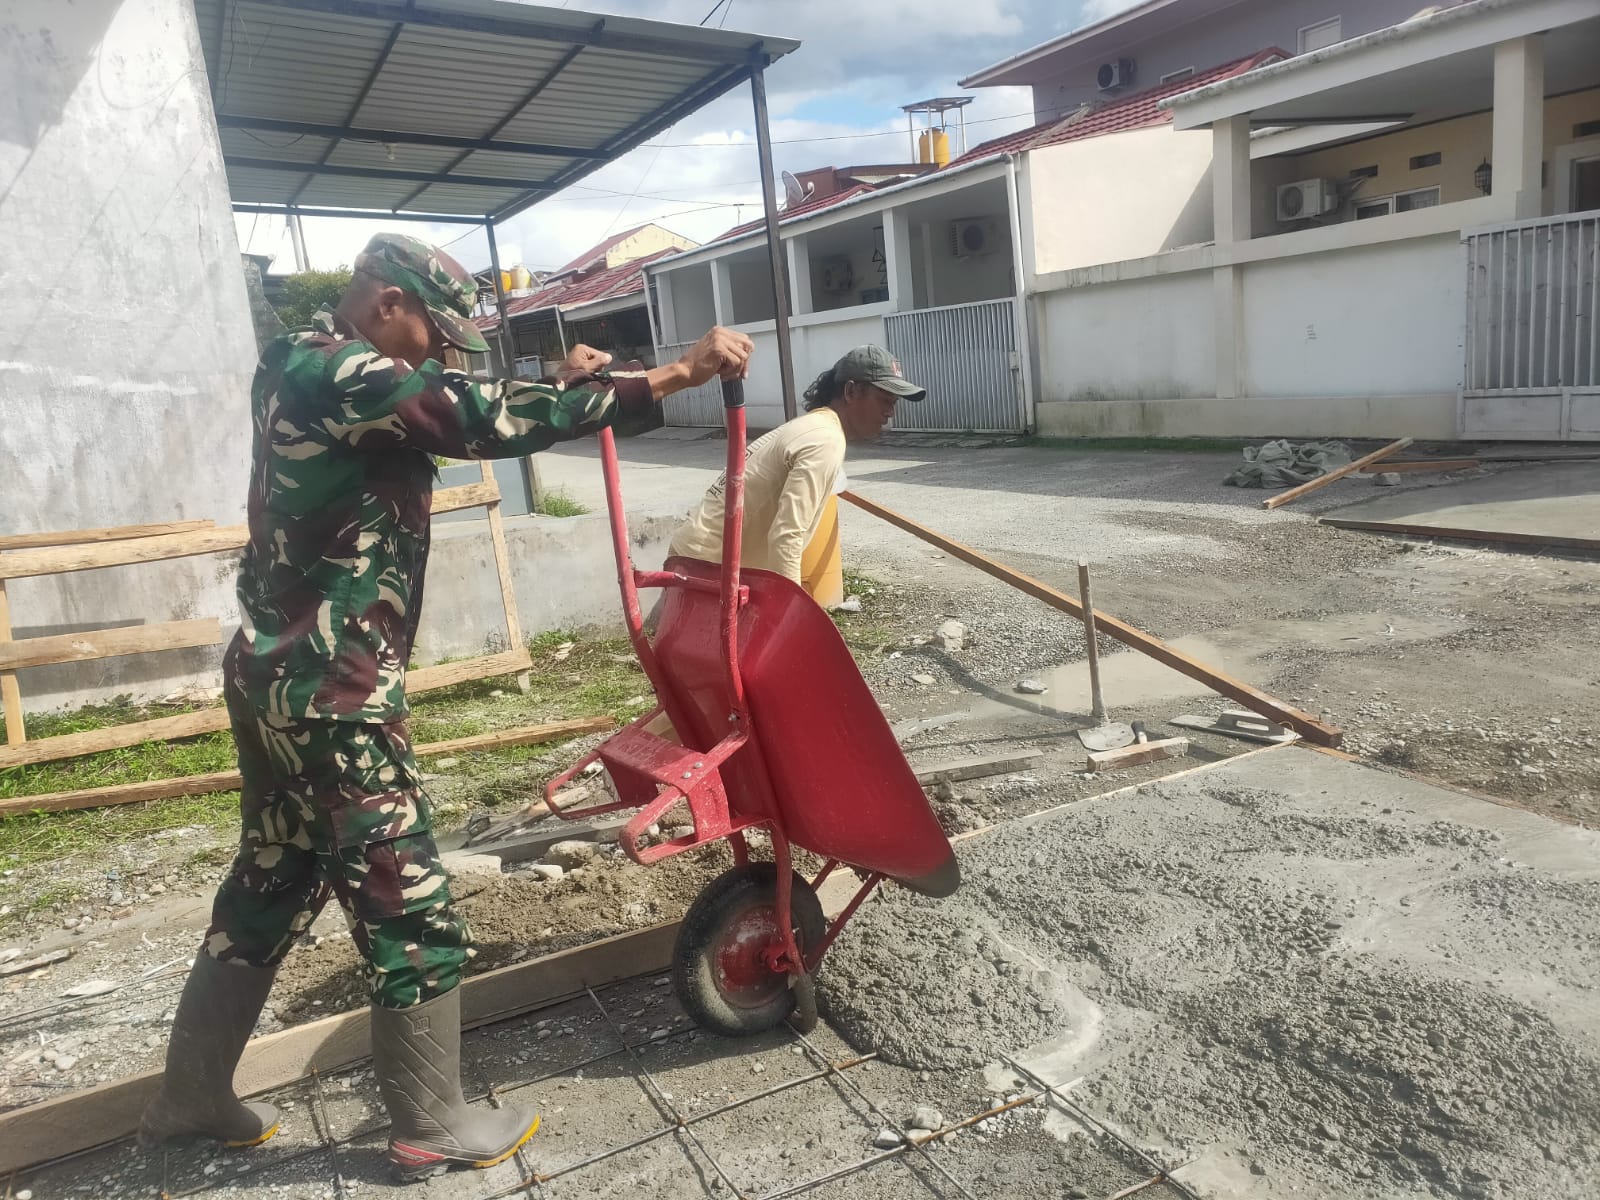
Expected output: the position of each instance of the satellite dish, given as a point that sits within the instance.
(793, 193)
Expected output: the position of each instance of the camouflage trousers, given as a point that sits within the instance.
(337, 808)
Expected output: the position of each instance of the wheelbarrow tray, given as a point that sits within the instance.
(821, 762)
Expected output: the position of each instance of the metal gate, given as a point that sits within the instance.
(694, 408)
(966, 356)
(1533, 306)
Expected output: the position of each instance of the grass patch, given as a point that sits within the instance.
(34, 838)
(572, 676)
(1169, 445)
(558, 502)
(865, 632)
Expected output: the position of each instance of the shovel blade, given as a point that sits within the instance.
(1111, 736)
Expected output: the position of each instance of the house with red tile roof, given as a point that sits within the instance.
(598, 298)
(1227, 217)
(956, 246)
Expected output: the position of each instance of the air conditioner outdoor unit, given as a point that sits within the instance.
(972, 236)
(837, 276)
(1114, 75)
(1306, 199)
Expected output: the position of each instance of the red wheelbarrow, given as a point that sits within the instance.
(777, 732)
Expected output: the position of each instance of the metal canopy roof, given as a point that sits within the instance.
(446, 109)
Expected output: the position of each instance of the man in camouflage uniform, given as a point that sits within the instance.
(330, 590)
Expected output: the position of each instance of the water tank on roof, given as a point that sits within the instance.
(934, 147)
(521, 279)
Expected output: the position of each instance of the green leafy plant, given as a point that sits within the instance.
(303, 293)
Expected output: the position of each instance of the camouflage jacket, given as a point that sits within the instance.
(330, 586)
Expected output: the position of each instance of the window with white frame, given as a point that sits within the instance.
(1323, 33)
(1181, 73)
(1382, 206)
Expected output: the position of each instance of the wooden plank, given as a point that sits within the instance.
(1501, 536)
(1139, 752)
(978, 768)
(10, 693)
(173, 546)
(33, 964)
(109, 1112)
(1255, 700)
(1295, 493)
(227, 781)
(109, 643)
(121, 793)
(1404, 465)
(117, 737)
(526, 735)
(471, 495)
(502, 563)
(114, 533)
(507, 662)
(60, 560)
(166, 729)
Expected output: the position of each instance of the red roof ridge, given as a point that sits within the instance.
(1141, 110)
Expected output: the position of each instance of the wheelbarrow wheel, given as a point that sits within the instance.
(719, 966)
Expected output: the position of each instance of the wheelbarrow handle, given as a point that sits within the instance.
(733, 393)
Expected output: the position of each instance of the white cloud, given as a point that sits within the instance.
(858, 63)
(1100, 10)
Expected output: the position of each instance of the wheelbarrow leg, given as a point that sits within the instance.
(801, 983)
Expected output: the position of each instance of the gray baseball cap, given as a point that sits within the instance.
(875, 365)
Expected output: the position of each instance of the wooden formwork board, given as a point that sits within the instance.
(1252, 698)
(33, 555)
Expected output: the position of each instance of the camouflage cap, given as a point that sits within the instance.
(875, 365)
(433, 277)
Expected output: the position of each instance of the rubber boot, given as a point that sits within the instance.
(416, 1056)
(215, 1017)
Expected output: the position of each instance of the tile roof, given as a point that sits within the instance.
(1139, 111)
(813, 205)
(596, 253)
(624, 280)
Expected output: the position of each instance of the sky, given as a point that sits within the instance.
(835, 101)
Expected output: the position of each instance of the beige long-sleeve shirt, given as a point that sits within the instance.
(789, 475)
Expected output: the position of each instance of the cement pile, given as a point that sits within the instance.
(1367, 1000)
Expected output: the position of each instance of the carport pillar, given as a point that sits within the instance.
(722, 291)
(1519, 127)
(1230, 211)
(780, 277)
(503, 327)
(1230, 179)
(897, 259)
(530, 469)
(800, 274)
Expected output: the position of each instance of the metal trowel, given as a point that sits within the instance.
(1106, 735)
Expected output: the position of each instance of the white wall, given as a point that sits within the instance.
(751, 279)
(126, 345)
(1119, 196)
(1385, 319)
(957, 280)
(1216, 34)
(692, 302)
(817, 342)
(464, 615)
(1140, 340)
(1346, 342)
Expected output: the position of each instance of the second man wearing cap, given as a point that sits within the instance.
(791, 472)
